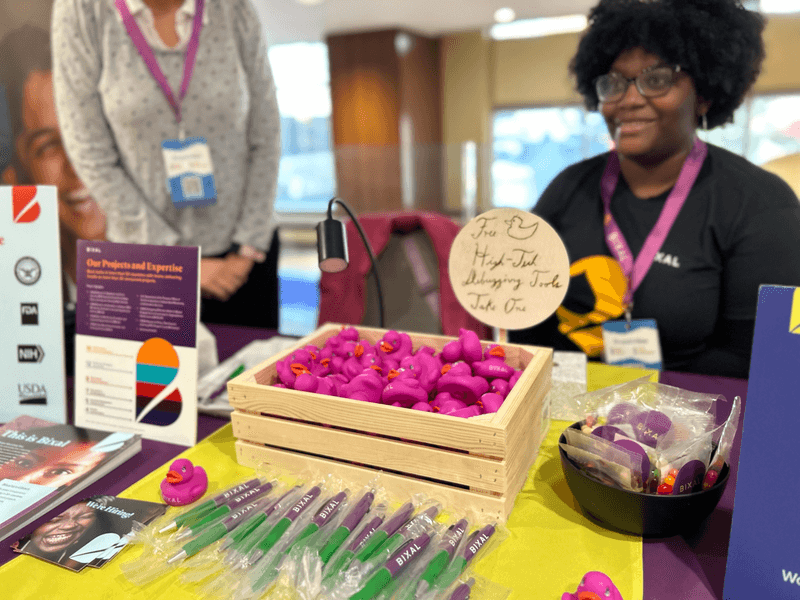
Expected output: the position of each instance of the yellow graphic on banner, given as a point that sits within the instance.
(608, 285)
(794, 316)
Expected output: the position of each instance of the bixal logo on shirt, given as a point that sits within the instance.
(29, 312)
(667, 259)
(30, 353)
(32, 393)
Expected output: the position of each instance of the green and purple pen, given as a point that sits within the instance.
(475, 542)
(411, 529)
(201, 510)
(442, 557)
(348, 524)
(245, 497)
(397, 563)
(358, 542)
(329, 508)
(463, 591)
(244, 539)
(385, 531)
(217, 531)
(266, 544)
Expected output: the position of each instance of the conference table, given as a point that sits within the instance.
(679, 567)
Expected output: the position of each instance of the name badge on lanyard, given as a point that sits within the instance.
(187, 162)
(190, 178)
(636, 341)
(632, 343)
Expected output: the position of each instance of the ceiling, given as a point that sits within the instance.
(289, 21)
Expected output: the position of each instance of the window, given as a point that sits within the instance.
(306, 178)
(532, 145)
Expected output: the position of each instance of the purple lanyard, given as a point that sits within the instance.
(636, 270)
(150, 60)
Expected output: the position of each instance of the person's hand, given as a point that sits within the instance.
(221, 278)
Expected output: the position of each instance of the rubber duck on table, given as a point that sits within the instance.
(594, 586)
(184, 483)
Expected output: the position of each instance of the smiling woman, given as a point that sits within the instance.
(665, 227)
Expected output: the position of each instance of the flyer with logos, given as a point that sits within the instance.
(137, 314)
(32, 376)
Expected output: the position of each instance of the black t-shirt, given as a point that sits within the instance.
(739, 228)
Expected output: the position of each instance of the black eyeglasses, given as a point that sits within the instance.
(652, 82)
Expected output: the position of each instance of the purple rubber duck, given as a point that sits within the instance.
(366, 387)
(404, 391)
(184, 483)
(308, 382)
(462, 385)
(425, 367)
(594, 586)
(494, 365)
(395, 346)
(467, 348)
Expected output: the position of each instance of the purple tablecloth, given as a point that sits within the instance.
(693, 567)
(680, 567)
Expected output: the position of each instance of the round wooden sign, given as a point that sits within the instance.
(509, 268)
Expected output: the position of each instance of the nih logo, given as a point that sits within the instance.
(30, 353)
(29, 312)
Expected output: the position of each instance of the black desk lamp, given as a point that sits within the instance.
(332, 249)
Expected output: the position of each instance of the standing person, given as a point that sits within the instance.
(136, 81)
(665, 226)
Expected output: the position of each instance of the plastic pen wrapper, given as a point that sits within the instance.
(312, 536)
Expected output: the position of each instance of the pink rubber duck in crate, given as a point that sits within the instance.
(395, 346)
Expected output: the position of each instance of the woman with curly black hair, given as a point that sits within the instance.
(664, 226)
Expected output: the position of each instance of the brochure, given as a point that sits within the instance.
(136, 325)
(44, 463)
(90, 532)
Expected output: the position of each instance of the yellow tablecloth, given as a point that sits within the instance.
(550, 546)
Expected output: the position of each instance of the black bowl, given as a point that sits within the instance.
(647, 515)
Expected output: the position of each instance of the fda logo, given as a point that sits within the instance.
(29, 313)
(32, 393)
(30, 354)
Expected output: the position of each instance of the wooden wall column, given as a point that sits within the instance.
(374, 89)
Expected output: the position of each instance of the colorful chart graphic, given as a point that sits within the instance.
(156, 369)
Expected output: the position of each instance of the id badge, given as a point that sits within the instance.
(190, 174)
(633, 344)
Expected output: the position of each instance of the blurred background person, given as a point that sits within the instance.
(120, 74)
(38, 156)
(657, 71)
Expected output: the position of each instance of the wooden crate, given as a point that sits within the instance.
(481, 462)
